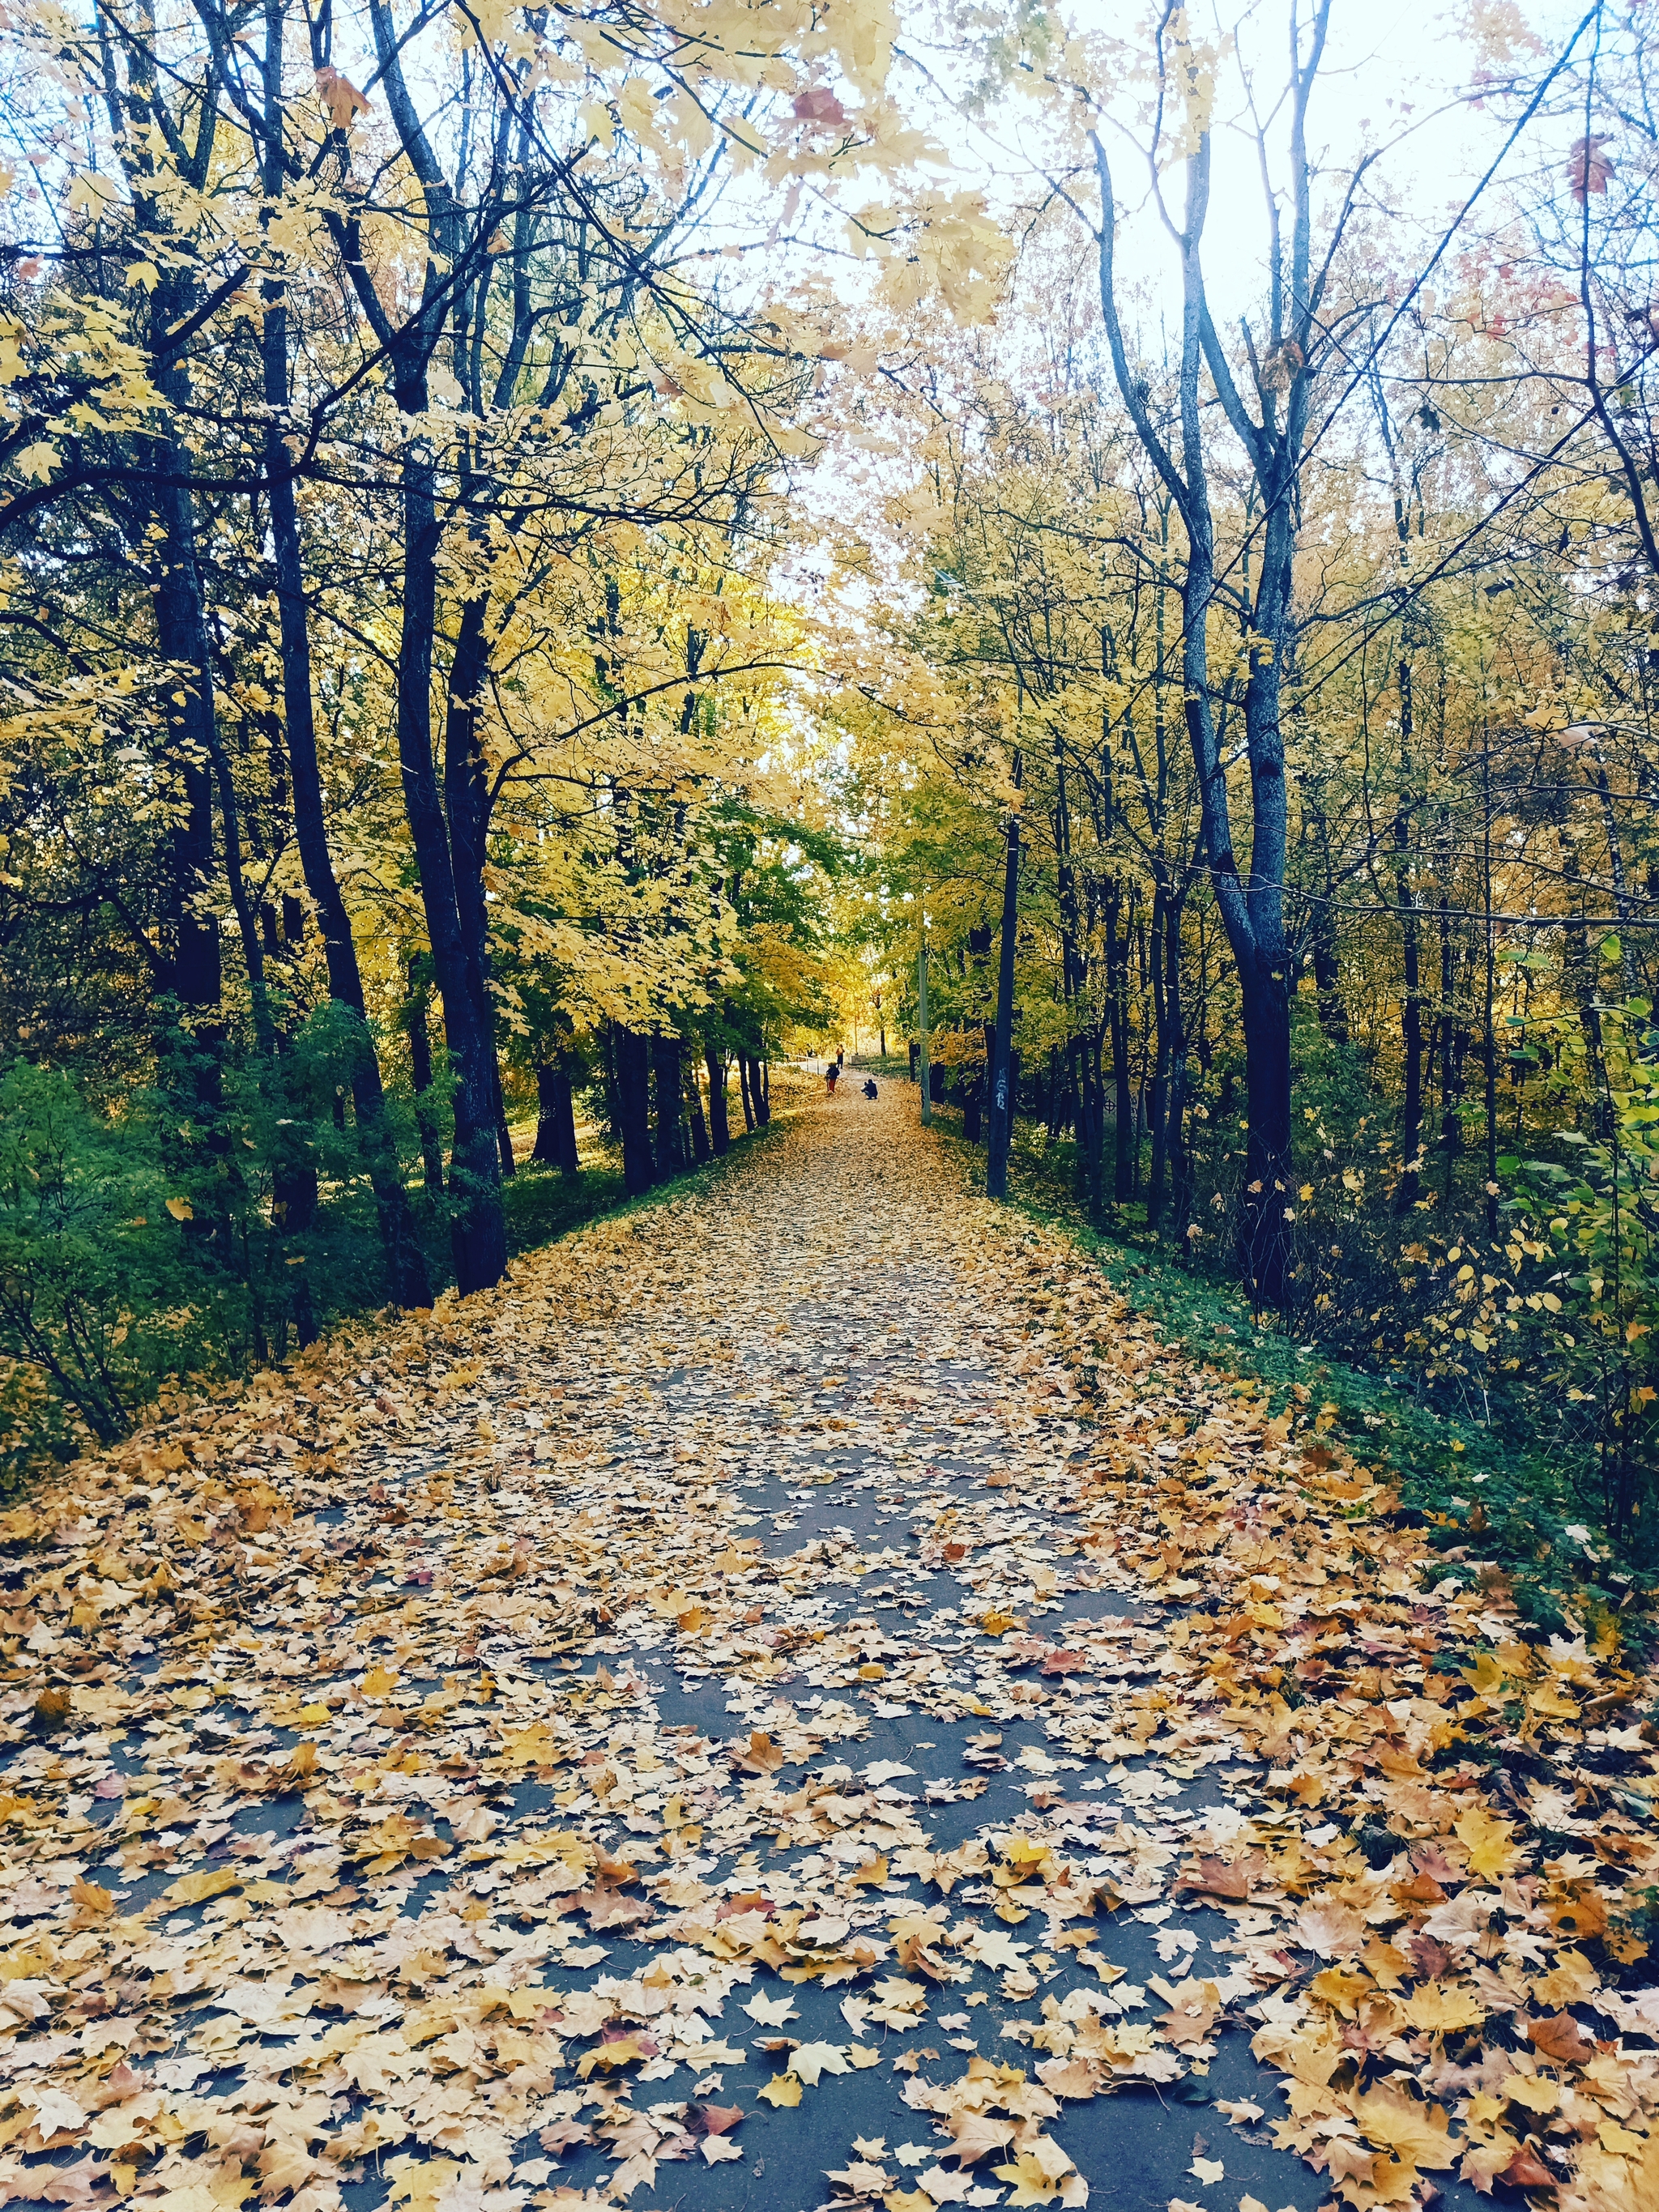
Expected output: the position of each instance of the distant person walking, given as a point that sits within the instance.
(830, 1074)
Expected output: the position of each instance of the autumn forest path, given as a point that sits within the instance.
(738, 1669)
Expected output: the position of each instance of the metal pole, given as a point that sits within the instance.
(999, 1134)
(922, 1075)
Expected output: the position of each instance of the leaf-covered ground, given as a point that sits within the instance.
(800, 1699)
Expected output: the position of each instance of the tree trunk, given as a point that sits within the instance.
(1410, 1005)
(420, 1060)
(700, 1144)
(1160, 1084)
(743, 1092)
(999, 1137)
(556, 1118)
(407, 1279)
(1117, 931)
(670, 1103)
(633, 1061)
(1251, 900)
(1175, 1054)
(973, 1096)
(1091, 1132)
(1264, 1228)
(503, 1133)
(478, 1231)
(720, 1126)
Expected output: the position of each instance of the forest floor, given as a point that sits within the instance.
(800, 1698)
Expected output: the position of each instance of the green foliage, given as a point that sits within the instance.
(99, 1301)
(170, 1242)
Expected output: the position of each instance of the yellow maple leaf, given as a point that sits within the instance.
(197, 1888)
(783, 2089)
(1492, 1853)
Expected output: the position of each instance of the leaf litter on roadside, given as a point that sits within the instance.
(338, 1775)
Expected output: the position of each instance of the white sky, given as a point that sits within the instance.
(1391, 75)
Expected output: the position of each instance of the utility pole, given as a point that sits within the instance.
(1000, 1131)
(922, 1074)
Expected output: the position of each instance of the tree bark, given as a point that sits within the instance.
(1411, 1003)
(999, 1136)
(478, 1228)
(670, 1104)
(420, 1060)
(556, 1118)
(1160, 1084)
(1124, 1161)
(700, 1144)
(633, 1059)
(407, 1277)
(720, 1126)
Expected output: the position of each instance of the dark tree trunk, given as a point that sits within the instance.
(1090, 1118)
(420, 1060)
(478, 1231)
(1117, 1025)
(608, 1065)
(1411, 1007)
(670, 1104)
(1174, 1126)
(633, 1059)
(761, 1082)
(720, 1127)
(556, 1118)
(1160, 1085)
(973, 1094)
(1266, 1243)
(407, 1277)
(700, 1145)
(743, 1087)
(1001, 1060)
(503, 1134)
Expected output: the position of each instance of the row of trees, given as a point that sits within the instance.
(1305, 676)
(393, 451)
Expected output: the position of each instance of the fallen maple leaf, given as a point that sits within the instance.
(762, 1756)
(1216, 1877)
(1526, 2170)
(1558, 2036)
(711, 2119)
